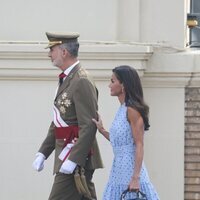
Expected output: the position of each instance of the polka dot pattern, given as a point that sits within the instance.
(123, 164)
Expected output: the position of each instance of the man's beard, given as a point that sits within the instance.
(57, 63)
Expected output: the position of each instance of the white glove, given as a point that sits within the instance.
(38, 163)
(67, 167)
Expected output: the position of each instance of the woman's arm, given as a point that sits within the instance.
(137, 127)
(100, 127)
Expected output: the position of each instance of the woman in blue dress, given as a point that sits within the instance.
(126, 136)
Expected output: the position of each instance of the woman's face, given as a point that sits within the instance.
(116, 88)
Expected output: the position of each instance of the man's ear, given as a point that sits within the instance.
(66, 53)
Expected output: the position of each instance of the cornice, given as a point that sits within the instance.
(105, 51)
(29, 61)
(171, 79)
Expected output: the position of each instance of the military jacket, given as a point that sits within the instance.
(76, 100)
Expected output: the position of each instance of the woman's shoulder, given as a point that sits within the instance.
(132, 111)
(133, 115)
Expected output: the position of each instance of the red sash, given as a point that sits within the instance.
(67, 133)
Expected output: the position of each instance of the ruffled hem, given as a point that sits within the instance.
(114, 192)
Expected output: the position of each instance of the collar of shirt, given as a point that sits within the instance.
(68, 70)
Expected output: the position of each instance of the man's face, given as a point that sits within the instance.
(56, 55)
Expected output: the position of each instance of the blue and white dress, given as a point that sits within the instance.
(123, 164)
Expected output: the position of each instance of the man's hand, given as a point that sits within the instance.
(67, 167)
(38, 163)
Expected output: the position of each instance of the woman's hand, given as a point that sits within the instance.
(134, 184)
(100, 127)
(99, 124)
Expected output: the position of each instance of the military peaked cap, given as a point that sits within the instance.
(60, 38)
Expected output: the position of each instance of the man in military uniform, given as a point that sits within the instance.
(72, 134)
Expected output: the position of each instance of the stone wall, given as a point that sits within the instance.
(192, 143)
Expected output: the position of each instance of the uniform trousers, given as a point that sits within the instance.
(64, 187)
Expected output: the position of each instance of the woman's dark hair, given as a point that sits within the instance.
(130, 79)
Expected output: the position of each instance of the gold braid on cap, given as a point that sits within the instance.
(55, 42)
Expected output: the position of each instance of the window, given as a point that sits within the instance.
(193, 21)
